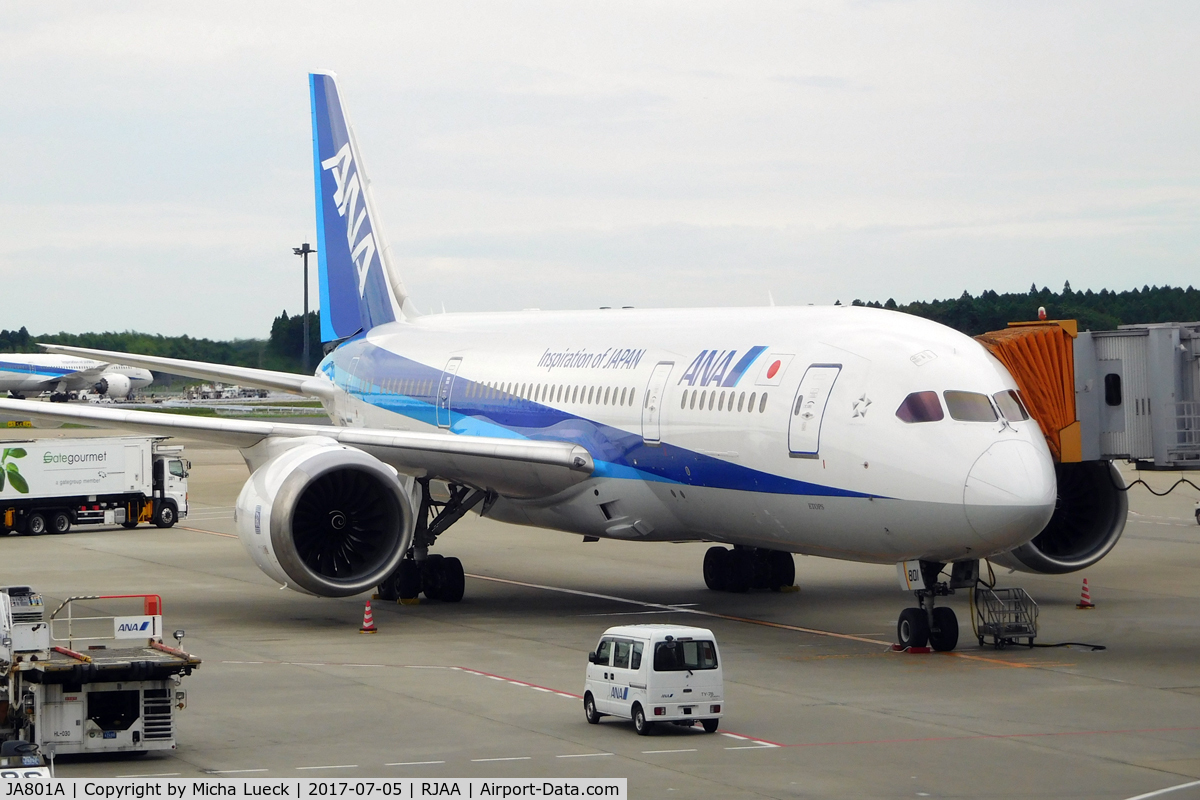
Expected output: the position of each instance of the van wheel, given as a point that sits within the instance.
(129, 523)
(164, 515)
(642, 725)
(589, 709)
(710, 725)
(60, 522)
(35, 524)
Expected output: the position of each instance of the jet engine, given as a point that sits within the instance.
(325, 519)
(114, 384)
(1089, 517)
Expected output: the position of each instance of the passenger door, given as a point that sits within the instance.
(619, 694)
(600, 676)
(652, 402)
(808, 409)
(445, 391)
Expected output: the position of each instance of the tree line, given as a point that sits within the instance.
(1096, 311)
(283, 348)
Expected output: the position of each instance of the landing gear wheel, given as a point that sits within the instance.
(944, 636)
(642, 725)
(389, 587)
(913, 628)
(710, 725)
(164, 515)
(716, 563)
(589, 709)
(408, 579)
(783, 569)
(454, 582)
(433, 577)
(60, 522)
(35, 524)
(739, 571)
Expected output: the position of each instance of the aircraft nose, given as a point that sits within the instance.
(1010, 493)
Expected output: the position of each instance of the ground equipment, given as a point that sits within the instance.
(50, 485)
(79, 681)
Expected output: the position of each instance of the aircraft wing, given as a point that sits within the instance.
(510, 467)
(308, 385)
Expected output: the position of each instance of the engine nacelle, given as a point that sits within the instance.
(1089, 518)
(325, 519)
(114, 384)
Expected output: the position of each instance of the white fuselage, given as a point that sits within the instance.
(662, 400)
(44, 372)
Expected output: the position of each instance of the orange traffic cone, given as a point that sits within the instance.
(368, 625)
(1085, 599)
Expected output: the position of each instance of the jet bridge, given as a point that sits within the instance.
(1132, 393)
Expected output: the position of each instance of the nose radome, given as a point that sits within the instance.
(1010, 493)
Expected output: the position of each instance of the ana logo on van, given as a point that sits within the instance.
(132, 627)
(619, 693)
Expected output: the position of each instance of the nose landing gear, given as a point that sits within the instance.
(927, 624)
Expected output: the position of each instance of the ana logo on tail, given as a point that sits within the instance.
(347, 196)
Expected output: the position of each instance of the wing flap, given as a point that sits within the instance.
(511, 467)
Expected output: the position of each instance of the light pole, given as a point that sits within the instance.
(303, 251)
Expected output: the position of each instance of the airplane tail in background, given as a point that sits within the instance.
(360, 287)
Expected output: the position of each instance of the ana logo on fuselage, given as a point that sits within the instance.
(717, 367)
(346, 197)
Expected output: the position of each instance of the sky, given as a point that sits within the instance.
(158, 156)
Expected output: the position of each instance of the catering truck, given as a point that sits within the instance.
(49, 485)
(92, 676)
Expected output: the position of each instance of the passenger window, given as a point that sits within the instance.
(762, 403)
(692, 405)
(702, 400)
(632, 392)
(682, 400)
(621, 653)
(1112, 389)
(575, 394)
(679, 656)
(623, 391)
(635, 661)
(921, 407)
(721, 402)
(1011, 406)
(969, 407)
(741, 399)
(606, 391)
(750, 405)
(604, 652)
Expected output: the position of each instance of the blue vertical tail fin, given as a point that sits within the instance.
(360, 287)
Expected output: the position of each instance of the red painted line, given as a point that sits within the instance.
(994, 736)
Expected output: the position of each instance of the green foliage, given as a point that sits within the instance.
(1096, 311)
(282, 351)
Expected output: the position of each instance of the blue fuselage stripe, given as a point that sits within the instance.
(411, 390)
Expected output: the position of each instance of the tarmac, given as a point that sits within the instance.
(817, 704)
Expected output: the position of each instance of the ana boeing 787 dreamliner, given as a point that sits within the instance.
(846, 432)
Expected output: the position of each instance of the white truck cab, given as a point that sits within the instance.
(655, 673)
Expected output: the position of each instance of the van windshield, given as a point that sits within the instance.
(687, 655)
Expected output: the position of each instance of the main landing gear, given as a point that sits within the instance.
(935, 626)
(745, 568)
(438, 577)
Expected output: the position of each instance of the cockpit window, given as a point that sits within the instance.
(1010, 405)
(970, 407)
(921, 407)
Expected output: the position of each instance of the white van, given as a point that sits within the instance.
(655, 673)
